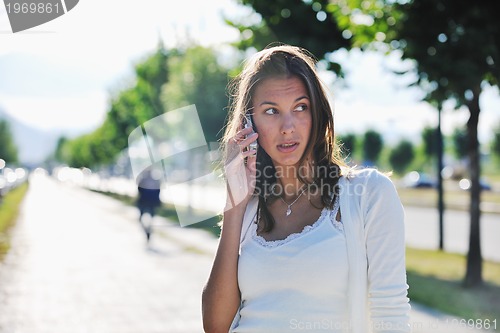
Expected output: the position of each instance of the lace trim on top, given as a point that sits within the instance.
(332, 214)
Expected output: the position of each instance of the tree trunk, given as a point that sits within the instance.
(439, 134)
(473, 276)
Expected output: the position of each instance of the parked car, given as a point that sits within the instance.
(465, 184)
(417, 179)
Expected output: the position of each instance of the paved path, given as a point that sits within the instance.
(79, 263)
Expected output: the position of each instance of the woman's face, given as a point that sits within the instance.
(282, 116)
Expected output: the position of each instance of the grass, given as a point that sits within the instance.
(9, 209)
(435, 279)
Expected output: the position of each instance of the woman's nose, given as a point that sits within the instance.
(287, 125)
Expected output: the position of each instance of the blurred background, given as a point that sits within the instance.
(414, 86)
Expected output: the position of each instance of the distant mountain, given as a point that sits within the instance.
(34, 145)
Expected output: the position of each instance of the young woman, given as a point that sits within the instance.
(305, 245)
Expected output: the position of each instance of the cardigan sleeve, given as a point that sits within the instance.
(388, 304)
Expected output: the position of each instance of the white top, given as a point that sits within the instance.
(373, 220)
(298, 283)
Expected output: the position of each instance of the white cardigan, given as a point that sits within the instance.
(373, 219)
(374, 227)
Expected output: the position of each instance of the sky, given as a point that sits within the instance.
(60, 75)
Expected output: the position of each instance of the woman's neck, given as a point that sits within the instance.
(290, 184)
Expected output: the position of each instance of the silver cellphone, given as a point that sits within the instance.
(247, 122)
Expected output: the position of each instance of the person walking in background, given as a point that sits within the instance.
(148, 200)
(306, 242)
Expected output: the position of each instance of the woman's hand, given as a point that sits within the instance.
(240, 168)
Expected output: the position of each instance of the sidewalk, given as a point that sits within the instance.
(79, 263)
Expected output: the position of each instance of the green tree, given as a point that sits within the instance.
(459, 139)
(196, 77)
(133, 106)
(152, 74)
(60, 154)
(8, 149)
(164, 81)
(129, 108)
(495, 144)
(456, 53)
(429, 139)
(372, 146)
(402, 156)
(304, 23)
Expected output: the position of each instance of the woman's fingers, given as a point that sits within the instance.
(245, 143)
(245, 137)
(240, 168)
(241, 146)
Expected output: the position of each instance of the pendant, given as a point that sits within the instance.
(288, 211)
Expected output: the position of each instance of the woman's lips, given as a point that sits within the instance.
(287, 147)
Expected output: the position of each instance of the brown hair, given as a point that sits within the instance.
(287, 61)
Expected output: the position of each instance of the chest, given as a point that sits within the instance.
(302, 215)
(313, 259)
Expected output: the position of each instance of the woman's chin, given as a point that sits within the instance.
(289, 162)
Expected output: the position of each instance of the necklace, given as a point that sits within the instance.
(289, 206)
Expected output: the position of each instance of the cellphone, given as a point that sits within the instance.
(247, 122)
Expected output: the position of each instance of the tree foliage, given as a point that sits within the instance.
(61, 153)
(372, 146)
(455, 53)
(495, 144)
(196, 77)
(429, 139)
(8, 149)
(459, 140)
(128, 109)
(402, 156)
(164, 80)
(302, 23)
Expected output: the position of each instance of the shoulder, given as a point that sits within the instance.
(367, 185)
(375, 194)
(367, 176)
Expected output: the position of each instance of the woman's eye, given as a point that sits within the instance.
(271, 111)
(301, 107)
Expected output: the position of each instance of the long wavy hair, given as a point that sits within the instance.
(286, 61)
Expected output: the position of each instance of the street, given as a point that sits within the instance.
(422, 231)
